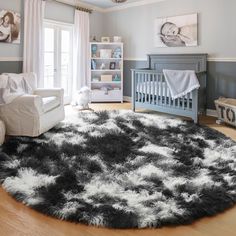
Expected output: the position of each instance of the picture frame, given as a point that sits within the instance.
(112, 65)
(177, 31)
(10, 27)
(105, 39)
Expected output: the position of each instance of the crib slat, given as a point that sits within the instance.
(183, 102)
(188, 101)
(157, 89)
(153, 89)
(169, 97)
(138, 85)
(149, 79)
(142, 89)
(161, 89)
(165, 87)
(178, 99)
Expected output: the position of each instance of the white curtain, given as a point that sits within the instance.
(81, 50)
(33, 38)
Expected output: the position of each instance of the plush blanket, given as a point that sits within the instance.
(13, 86)
(181, 82)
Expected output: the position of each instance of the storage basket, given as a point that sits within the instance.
(226, 110)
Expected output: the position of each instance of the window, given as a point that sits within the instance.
(58, 57)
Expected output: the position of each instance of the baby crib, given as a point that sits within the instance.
(150, 90)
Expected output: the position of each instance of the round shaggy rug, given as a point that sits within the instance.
(122, 170)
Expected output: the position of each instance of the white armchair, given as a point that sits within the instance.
(33, 114)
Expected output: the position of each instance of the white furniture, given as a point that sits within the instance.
(2, 132)
(103, 88)
(33, 114)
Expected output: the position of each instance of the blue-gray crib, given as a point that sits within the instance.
(150, 90)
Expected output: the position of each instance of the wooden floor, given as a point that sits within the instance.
(19, 220)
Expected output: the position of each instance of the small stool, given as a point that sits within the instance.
(2, 132)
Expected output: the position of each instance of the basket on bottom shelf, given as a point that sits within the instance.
(226, 110)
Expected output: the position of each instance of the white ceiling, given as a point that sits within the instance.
(106, 3)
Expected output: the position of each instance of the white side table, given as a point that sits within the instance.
(2, 132)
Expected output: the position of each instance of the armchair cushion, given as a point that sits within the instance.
(57, 92)
(49, 103)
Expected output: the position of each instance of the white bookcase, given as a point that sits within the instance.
(106, 83)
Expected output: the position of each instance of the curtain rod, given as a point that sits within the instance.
(80, 8)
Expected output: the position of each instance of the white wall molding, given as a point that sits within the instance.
(11, 58)
(210, 59)
(135, 59)
(222, 59)
(132, 4)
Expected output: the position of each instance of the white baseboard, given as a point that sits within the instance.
(211, 112)
(127, 99)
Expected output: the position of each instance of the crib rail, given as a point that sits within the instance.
(150, 90)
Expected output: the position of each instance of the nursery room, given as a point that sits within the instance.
(117, 117)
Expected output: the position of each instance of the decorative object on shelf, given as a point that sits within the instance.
(83, 98)
(93, 65)
(96, 79)
(116, 89)
(106, 78)
(112, 65)
(117, 53)
(94, 39)
(177, 31)
(105, 53)
(117, 39)
(105, 39)
(10, 26)
(106, 89)
(103, 66)
(117, 78)
(94, 50)
(2, 132)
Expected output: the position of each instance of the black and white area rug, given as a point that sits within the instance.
(122, 170)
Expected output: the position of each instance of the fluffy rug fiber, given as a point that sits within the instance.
(122, 170)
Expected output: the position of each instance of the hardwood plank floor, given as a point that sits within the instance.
(19, 220)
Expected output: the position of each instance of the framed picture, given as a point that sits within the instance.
(112, 65)
(105, 40)
(177, 31)
(10, 25)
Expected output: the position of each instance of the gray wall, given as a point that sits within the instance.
(217, 34)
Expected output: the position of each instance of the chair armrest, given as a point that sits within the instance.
(57, 92)
(30, 104)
